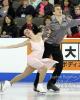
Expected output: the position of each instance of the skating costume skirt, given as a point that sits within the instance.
(35, 60)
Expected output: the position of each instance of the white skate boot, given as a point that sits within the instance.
(6, 85)
(40, 88)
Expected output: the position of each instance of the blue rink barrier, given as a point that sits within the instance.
(64, 78)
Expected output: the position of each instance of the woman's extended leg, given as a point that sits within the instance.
(27, 72)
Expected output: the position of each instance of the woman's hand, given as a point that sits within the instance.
(15, 45)
(4, 47)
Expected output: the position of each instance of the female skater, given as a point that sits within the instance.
(34, 59)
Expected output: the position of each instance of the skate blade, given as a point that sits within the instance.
(40, 93)
(52, 92)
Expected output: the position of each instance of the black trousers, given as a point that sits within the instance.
(56, 53)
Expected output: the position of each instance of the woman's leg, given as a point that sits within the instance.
(40, 87)
(27, 72)
(42, 74)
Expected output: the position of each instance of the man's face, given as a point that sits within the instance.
(58, 11)
(77, 10)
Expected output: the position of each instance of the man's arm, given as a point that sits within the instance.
(73, 22)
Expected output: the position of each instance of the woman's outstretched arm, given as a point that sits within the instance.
(16, 45)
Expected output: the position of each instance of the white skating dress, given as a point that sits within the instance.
(35, 59)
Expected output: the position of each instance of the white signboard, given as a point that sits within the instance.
(70, 51)
(12, 60)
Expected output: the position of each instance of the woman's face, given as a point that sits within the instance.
(7, 20)
(66, 3)
(28, 33)
(5, 2)
(44, 2)
(29, 20)
(25, 2)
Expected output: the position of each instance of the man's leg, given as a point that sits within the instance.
(57, 55)
(36, 81)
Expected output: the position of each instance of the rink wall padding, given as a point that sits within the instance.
(64, 78)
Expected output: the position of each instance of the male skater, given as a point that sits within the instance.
(59, 26)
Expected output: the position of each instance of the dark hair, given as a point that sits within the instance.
(12, 21)
(46, 17)
(9, 2)
(62, 3)
(35, 31)
(45, 0)
(56, 5)
(76, 6)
